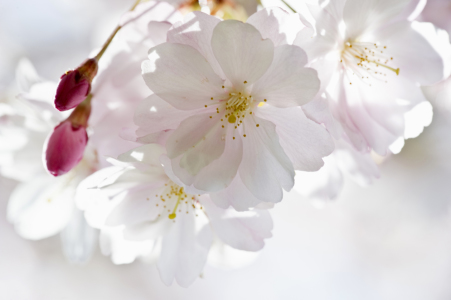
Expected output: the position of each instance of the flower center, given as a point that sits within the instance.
(367, 60)
(174, 196)
(238, 106)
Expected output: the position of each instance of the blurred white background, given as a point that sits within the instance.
(388, 241)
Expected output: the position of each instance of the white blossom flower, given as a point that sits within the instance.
(149, 204)
(232, 95)
(371, 61)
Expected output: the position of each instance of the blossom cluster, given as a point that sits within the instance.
(173, 143)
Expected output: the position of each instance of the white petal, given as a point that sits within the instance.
(318, 110)
(241, 230)
(265, 168)
(410, 45)
(276, 24)
(210, 178)
(180, 75)
(320, 38)
(205, 151)
(287, 82)
(304, 141)
(41, 208)
(196, 31)
(137, 206)
(365, 16)
(154, 115)
(236, 195)
(199, 140)
(241, 51)
(184, 251)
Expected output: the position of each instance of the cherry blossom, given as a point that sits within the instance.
(371, 72)
(232, 99)
(151, 205)
(372, 61)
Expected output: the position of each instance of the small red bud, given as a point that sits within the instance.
(67, 143)
(75, 85)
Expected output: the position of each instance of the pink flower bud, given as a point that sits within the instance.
(65, 148)
(67, 143)
(75, 85)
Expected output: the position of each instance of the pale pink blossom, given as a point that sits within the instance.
(371, 61)
(227, 103)
(150, 205)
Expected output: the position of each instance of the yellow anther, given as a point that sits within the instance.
(232, 119)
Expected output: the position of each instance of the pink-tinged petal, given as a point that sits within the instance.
(241, 51)
(412, 10)
(196, 31)
(137, 206)
(412, 47)
(148, 155)
(176, 173)
(41, 208)
(378, 121)
(276, 24)
(364, 16)
(205, 151)
(95, 202)
(320, 38)
(236, 195)
(149, 230)
(304, 141)
(199, 139)
(287, 82)
(75, 85)
(184, 250)
(240, 230)
(65, 148)
(180, 75)
(318, 110)
(376, 112)
(209, 178)
(265, 168)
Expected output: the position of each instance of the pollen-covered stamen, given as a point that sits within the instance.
(238, 106)
(367, 60)
(175, 197)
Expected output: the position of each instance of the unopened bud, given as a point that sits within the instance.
(75, 85)
(67, 143)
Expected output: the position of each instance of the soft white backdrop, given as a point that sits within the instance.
(388, 241)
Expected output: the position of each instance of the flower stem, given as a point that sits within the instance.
(288, 5)
(108, 42)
